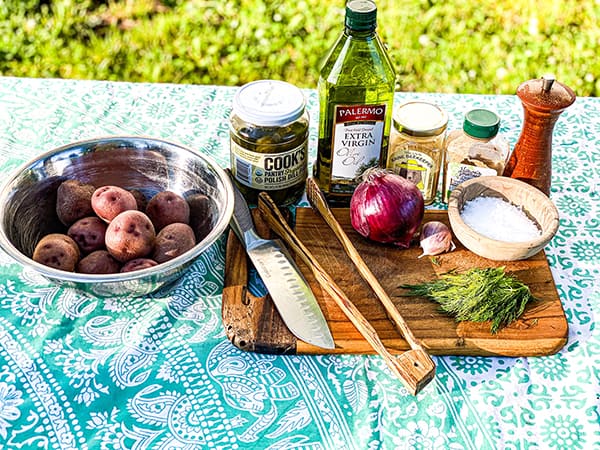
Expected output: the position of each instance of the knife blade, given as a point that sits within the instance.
(289, 291)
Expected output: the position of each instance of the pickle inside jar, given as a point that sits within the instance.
(262, 139)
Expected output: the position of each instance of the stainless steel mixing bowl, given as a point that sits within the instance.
(28, 199)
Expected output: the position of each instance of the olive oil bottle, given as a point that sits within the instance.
(356, 94)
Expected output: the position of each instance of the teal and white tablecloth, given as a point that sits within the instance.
(158, 372)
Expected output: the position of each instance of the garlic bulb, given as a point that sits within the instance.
(435, 238)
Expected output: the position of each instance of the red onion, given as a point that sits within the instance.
(386, 207)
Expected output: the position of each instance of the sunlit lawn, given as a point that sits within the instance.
(462, 46)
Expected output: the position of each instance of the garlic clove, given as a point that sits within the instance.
(435, 238)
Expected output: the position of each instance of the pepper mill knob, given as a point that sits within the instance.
(547, 82)
(543, 101)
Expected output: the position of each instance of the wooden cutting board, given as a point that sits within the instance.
(253, 324)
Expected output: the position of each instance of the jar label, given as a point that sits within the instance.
(269, 171)
(456, 173)
(417, 167)
(357, 140)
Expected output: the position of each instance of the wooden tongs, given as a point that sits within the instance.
(414, 368)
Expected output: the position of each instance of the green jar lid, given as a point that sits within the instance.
(361, 15)
(481, 123)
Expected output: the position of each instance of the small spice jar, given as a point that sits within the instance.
(269, 141)
(474, 151)
(417, 145)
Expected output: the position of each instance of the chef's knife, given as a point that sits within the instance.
(290, 292)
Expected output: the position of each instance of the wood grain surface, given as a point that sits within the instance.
(253, 324)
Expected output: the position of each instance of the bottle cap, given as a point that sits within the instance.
(361, 15)
(268, 103)
(420, 119)
(481, 123)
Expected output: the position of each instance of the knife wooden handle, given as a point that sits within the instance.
(414, 367)
(242, 312)
(318, 202)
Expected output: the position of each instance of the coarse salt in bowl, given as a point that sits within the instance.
(492, 216)
(515, 228)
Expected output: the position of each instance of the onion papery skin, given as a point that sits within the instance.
(386, 208)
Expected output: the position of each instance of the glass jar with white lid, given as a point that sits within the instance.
(269, 128)
(417, 145)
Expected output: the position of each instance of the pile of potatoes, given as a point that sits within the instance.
(110, 229)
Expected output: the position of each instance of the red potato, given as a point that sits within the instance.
(130, 235)
(98, 262)
(88, 233)
(167, 207)
(73, 201)
(110, 201)
(58, 251)
(138, 264)
(201, 215)
(172, 241)
(140, 199)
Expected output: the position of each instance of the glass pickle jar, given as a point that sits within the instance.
(269, 141)
(417, 145)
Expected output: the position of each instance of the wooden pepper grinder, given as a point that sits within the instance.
(543, 101)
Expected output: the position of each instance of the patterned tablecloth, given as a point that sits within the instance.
(158, 372)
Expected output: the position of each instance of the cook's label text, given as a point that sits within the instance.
(269, 171)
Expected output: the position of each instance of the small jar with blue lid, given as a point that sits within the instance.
(269, 141)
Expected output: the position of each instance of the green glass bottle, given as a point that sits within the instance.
(356, 94)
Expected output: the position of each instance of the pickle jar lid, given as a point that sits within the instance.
(481, 123)
(268, 103)
(421, 119)
(361, 15)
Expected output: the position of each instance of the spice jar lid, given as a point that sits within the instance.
(361, 15)
(268, 103)
(421, 119)
(481, 123)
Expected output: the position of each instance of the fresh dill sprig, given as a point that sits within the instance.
(477, 295)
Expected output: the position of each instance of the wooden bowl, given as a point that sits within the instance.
(534, 203)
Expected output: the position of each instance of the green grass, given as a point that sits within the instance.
(464, 46)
